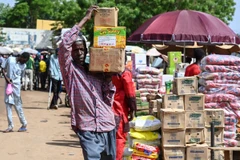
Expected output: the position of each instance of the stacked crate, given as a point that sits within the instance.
(108, 51)
(183, 121)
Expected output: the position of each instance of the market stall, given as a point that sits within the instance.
(188, 111)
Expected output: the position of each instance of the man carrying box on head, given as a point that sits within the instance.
(91, 96)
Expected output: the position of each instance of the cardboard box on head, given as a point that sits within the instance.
(106, 17)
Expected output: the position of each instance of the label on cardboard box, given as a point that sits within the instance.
(194, 119)
(176, 153)
(106, 17)
(173, 138)
(185, 85)
(218, 135)
(216, 116)
(194, 136)
(172, 119)
(171, 101)
(194, 102)
(107, 60)
(198, 152)
(112, 37)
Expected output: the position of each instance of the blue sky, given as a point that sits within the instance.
(234, 25)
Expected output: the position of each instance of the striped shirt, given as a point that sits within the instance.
(91, 97)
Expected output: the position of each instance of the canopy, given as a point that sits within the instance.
(182, 27)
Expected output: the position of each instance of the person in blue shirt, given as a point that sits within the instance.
(56, 78)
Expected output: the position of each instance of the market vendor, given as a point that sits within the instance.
(194, 69)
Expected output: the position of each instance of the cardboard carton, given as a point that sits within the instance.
(194, 119)
(111, 37)
(172, 119)
(218, 135)
(218, 155)
(194, 136)
(185, 85)
(176, 153)
(107, 60)
(173, 138)
(216, 116)
(106, 17)
(194, 102)
(199, 152)
(171, 101)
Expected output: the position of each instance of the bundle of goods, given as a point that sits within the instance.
(107, 53)
(143, 139)
(219, 82)
(148, 80)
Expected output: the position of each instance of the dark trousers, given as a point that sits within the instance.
(43, 79)
(98, 145)
(56, 86)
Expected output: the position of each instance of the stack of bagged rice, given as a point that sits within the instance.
(148, 82)
(220, 83)
(143, 139)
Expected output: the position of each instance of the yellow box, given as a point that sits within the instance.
(111, 37)
(173, 138)
(194, 119)
(172, 119)
(106, 17)
(107, 60)
(171, 101)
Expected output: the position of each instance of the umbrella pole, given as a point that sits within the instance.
(184, 53)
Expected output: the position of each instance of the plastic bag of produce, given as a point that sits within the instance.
(147, 123)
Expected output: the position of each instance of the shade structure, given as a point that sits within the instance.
(184, 26)
(153, 52)
(6, 50)
(29, 50)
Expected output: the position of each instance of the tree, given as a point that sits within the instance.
(18, 16)
(2, 37)
(133, 13)
(4, 10)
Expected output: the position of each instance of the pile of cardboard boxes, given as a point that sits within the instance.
(185, 122)
(108, 51)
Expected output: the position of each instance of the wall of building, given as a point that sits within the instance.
(23, 38)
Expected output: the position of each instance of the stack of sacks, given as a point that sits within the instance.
(144, 139)
(148, 81)
(220, 83)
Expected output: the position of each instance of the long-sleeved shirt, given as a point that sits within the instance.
(14, 71)
(54, 68)
(91, 96)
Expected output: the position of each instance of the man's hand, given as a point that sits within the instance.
(8, 80)
(87, 16)
(90, 11)
(131, 116)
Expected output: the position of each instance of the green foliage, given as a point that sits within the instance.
(132, 13)
(2, 36)
(18, 16)
(4, 10)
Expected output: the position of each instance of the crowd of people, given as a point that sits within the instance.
(102, 104)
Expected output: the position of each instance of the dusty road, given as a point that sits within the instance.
(49, 136)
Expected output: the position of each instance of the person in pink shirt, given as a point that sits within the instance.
(91, 96)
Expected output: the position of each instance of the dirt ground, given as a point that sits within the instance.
(49, 135)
